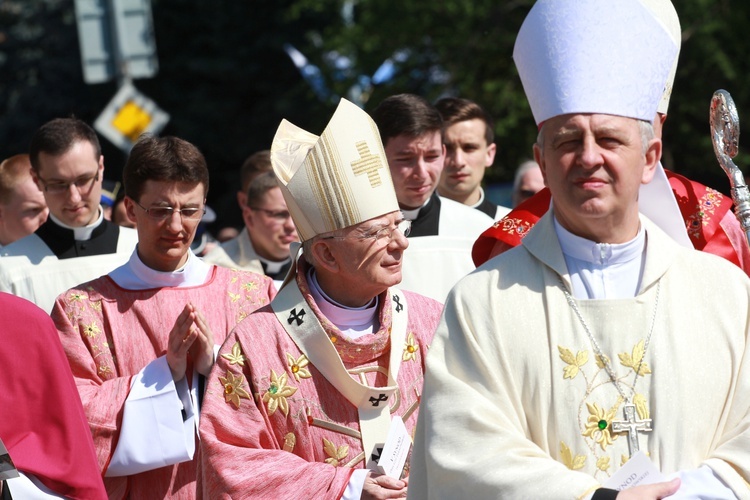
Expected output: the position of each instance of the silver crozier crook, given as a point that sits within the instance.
(725, 132)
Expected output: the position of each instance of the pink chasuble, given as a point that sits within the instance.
(109, 334)
(273, 427)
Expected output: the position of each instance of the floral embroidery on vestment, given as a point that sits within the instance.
(635, 360)
(278, 391)
(411, 348)
(595, 418)
(298, 366)
(235, 357)
(574, 363)
(77, 296)
(703, 211)
(639, 400)
(570, 461)
(91, 330)
(84, 314)
(289, 441)
(593, 430)
(233, 390)
(515, 226)
(335, 453)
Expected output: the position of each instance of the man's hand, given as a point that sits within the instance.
(202, 350)
(380, 486)
(192, 337)
(650, 491)
(181, 338)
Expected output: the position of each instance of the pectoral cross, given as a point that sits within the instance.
(632, 426)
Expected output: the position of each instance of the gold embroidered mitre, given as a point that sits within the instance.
(336, 180)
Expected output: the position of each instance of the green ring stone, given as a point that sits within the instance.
(602, 424)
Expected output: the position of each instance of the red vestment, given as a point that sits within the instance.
(42, 423)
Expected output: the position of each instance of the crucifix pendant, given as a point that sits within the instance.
(632, 426)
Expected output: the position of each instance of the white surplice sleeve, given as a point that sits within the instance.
(159, 422)
(701, 483)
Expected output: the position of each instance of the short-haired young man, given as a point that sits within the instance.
(443, 231)
(22, 205)
(469, 139)
(263, 244)
(139, 338)
(76, 243)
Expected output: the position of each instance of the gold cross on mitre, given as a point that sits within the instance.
(368, 163)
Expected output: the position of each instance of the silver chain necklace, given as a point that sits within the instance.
(630, 425)
(604, 359)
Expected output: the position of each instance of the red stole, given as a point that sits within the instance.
(707, 215)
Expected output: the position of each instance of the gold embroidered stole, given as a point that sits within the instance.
(372, 403)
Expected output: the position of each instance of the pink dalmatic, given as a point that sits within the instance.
(109, 334)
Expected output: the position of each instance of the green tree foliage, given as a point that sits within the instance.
(472, 42)
(226, 81)
(453, 47)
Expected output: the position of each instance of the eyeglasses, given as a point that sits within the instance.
(382, 235)
(279, 216)
(82, 184)
(163, 213)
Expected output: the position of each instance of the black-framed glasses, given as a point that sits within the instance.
(163, 213)
(277, 215)
(82, 184)
(382, 235)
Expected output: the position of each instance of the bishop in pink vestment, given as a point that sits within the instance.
(273, 427)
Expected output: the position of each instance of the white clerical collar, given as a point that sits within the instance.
(135, 275)
(352, 321)
(602, 254)
(274, 266)
(602, 270)
(81, 233)
(481, 198)
(413, 213)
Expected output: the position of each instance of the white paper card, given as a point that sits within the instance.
(636, 471)
(396, 449)
(7, 469)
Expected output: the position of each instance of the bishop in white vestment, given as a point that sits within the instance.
(601, 360)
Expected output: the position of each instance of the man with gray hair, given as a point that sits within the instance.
(577, 363)
(694, 215)
(308, 390)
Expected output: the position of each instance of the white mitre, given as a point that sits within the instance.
(655, 199)
(664, 11)
(336, 180)
(593, 56)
